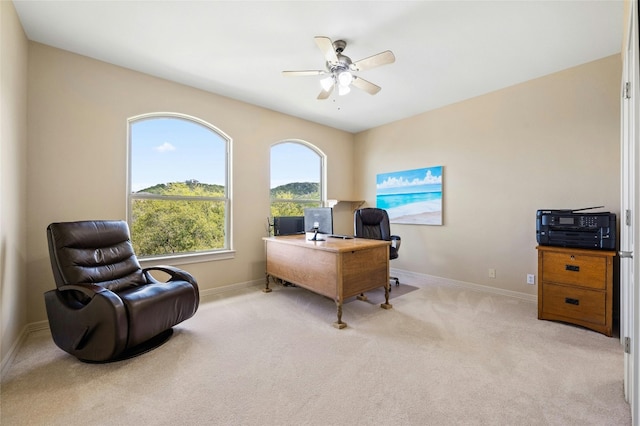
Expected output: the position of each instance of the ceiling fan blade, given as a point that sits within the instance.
(326, 47)
(365, 85)
(383, 58)
(324, 94)
(302, 73)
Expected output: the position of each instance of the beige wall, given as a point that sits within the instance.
(78, 110)
(13, 176)
(552, 142)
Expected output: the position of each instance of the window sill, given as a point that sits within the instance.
(183, 259)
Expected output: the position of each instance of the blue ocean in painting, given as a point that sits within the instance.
(403, 196)
(390, 201)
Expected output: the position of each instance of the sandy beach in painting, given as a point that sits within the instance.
(424, 213)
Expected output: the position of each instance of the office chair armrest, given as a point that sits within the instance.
(395, 242)
(175, 274)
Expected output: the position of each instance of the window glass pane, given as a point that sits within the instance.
(294, 162)
(176, 226)
(296, 172)
(165, 150)
(178, 201)
(291, 208)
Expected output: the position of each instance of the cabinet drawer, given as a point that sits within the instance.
(577, 269)
(574, 303)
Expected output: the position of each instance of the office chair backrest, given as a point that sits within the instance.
(93, 252)
(372, 223)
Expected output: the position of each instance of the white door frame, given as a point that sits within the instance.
(629, 223)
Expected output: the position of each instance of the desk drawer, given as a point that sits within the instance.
(578, 269)
(575, 303)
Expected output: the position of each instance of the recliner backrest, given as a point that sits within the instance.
(372, 223)
(96, 252)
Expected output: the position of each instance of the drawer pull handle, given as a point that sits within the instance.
(572, 268)
(571, 301)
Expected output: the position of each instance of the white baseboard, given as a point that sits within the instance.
(424, 280)
(204, 294)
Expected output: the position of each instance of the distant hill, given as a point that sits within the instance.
(163, 188)
(297, 189)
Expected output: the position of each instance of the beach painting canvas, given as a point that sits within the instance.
(411, 196)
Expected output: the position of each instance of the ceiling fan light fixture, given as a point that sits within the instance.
(327, 83)
(345, 78)
(343, 90)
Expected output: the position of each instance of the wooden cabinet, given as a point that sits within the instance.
(576, 286)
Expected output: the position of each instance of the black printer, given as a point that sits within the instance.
(571, 228)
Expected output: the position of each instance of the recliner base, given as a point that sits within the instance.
(144, 347)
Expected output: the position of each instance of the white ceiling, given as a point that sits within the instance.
(446, 51)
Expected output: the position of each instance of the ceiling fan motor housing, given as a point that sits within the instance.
(343, 64)
(339, 46)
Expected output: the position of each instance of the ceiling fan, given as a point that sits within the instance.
(340, 68)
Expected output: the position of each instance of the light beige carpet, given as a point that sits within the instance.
(442, 356)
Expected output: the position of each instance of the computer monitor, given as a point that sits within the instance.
(288, 225)
(320, 219)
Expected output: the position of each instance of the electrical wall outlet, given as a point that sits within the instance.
(531, 279)
(492, 273)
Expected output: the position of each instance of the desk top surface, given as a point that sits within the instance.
(329, 244)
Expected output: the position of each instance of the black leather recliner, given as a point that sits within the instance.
(106, 307)
(373, 223)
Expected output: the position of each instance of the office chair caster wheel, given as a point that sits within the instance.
(397, 282)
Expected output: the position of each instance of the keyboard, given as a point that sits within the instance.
(344, 237)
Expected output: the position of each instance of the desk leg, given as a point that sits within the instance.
(386, 304)
(266, 288)
(339, 324)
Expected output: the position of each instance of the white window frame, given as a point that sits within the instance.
(184, 258)
(323, 171)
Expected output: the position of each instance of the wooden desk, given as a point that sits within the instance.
(335, 268)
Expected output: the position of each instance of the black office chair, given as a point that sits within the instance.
(373, 223)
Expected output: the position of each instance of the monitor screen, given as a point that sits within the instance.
(288, 225)
(320, 218)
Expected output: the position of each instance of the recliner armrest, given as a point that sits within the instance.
(93, 329)
(88, 289)
(174, 273)
(81, 294)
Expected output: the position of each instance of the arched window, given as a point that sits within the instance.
(297, 178)
(178, 199)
